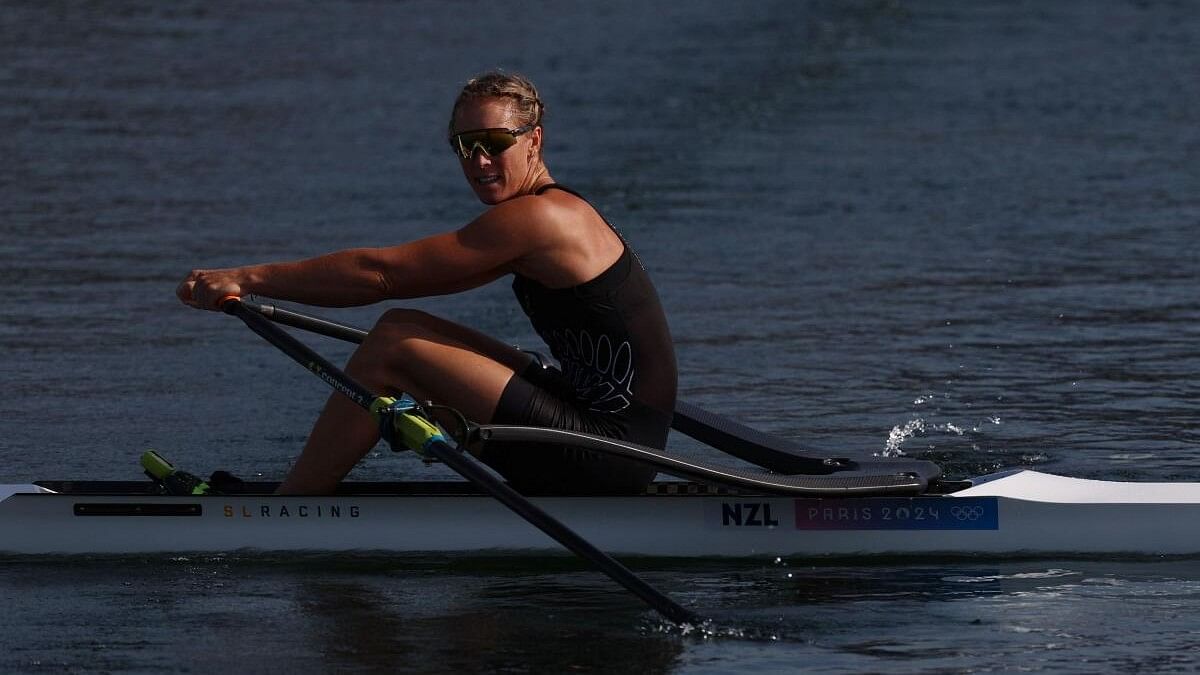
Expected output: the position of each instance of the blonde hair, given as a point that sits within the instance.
(527, 105)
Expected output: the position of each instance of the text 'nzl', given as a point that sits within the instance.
(747, 514)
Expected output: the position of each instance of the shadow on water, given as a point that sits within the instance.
(324, 613)
(423, 613)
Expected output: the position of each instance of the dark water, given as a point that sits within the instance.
(960, 231)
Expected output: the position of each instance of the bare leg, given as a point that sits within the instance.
(407, 351)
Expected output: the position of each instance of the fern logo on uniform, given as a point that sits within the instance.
(601, 373)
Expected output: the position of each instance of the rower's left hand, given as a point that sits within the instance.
(205, 289)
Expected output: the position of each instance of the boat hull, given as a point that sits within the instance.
(973, 522)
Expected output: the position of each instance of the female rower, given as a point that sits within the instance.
(580, 284)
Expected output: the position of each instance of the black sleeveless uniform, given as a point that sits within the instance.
(618, 379)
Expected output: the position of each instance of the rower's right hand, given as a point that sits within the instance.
(206, 289)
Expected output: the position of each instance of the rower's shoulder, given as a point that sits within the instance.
(552, 202)
(550, 213)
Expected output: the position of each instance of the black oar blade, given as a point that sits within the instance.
(862, 478)
(754, 446)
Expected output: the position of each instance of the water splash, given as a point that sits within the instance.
(918, 426)
(897, 436)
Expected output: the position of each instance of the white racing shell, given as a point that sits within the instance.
(1020, 513)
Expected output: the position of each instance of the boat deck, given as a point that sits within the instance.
(447, 488)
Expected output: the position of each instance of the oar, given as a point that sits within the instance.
(418, 434)
(727, 435)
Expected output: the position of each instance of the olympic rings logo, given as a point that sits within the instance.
(971, 513)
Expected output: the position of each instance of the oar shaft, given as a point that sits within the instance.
(581, 547)
(467, 468)
(300, 353)
(313, 324)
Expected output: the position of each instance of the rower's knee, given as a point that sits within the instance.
(399, 334)
(399, 319)
(391, 344)
(398, 326)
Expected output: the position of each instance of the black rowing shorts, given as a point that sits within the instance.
(542, 397)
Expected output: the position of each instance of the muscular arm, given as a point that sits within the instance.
(482, 251)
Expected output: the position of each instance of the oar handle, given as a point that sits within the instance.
(229, 304)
